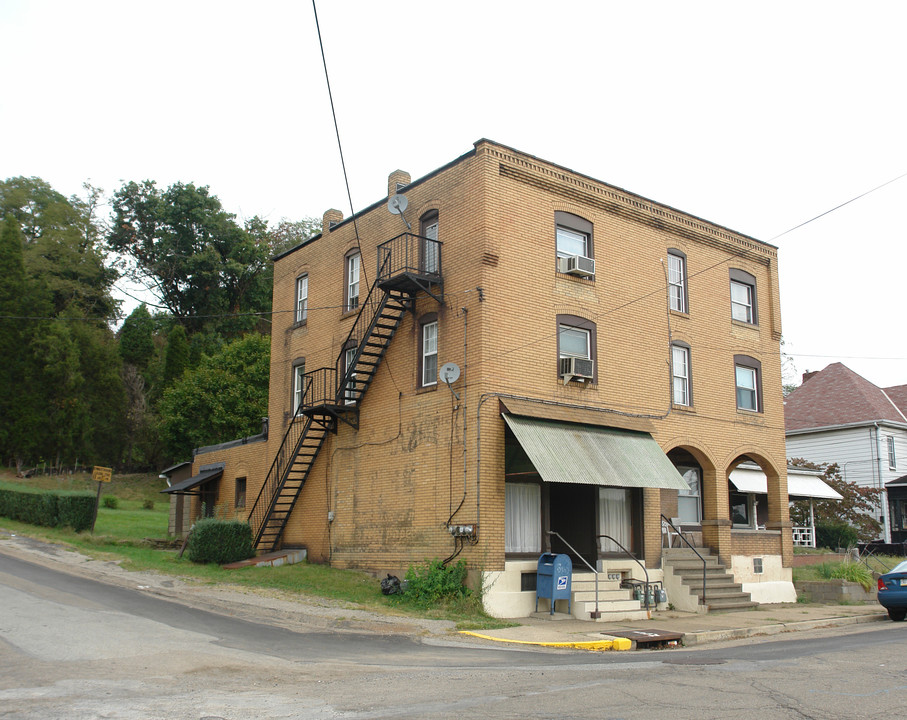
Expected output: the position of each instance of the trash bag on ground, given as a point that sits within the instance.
(391, 585)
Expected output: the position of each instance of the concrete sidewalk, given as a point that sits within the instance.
(563, 630)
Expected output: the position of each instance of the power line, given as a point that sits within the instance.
(346, 179)
(838, 207)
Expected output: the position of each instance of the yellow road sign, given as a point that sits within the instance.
(101, 474)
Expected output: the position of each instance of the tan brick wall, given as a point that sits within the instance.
(250, 461)
(393, 484)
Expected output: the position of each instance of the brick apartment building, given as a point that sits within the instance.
(615, 360)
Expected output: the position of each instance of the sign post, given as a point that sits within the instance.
(101, 475)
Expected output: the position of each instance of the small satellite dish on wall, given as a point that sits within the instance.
(449, 373)
(396, 205)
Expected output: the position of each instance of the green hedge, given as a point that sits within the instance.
(48, 508)
(220, 541)
(835, 535)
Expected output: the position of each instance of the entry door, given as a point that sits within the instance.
(572, 515)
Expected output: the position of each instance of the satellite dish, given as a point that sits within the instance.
(449, 373)
(396, 204)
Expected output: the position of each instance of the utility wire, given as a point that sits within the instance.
(838, 207)
(346, 179)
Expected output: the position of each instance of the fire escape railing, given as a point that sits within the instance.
(282, 460)
(416, 257)
(413, 256)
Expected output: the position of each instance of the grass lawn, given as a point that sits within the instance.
(123, 534)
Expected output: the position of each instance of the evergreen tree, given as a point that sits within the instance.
(176, 355)
(136, 340)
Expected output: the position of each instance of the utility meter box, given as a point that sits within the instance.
(554, 579)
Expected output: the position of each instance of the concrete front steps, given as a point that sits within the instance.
(614, 602)
(721, 592)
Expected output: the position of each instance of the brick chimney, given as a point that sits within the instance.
(397, 182)
(808, 374)
(329, 219)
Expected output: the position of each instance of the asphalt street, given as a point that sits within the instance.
(73, 647)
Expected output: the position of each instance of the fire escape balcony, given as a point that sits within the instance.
(411, 263)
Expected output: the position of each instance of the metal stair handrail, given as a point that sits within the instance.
(689, 545)
(258, 515)
(359, 332)
(634, 559)
(596, 613)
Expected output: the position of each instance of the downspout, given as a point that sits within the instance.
(883, 497)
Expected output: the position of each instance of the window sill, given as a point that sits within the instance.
(298, 324)
(680, 313)
(426, 389)
(749, 413)
(688, 409)
(587, 280)
(742, 324)
(350, 313)
(743, 529)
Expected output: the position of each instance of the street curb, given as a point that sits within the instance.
(615, 643)
(707, 636)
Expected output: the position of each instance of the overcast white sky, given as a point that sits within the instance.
(756, 116)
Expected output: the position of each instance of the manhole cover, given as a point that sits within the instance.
(692, 661)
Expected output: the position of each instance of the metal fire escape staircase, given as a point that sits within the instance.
(407, 264)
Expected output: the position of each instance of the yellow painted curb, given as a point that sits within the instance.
(617, 643)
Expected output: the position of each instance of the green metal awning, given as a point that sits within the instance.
(594, 455)
(204, 475)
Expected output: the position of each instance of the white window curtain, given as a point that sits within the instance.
(689, 507)
(522, 517)
(614, 517)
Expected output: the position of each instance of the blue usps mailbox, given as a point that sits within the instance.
(553, 580)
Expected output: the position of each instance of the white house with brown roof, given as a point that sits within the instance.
(839, 416)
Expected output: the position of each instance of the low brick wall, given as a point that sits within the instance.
(834, 591)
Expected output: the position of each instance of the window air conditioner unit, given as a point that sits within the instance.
(575, 367)
(576, 265)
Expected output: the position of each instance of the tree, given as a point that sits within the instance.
(61, 245)
(136, 341)
(224, 398)
(181, 243)
(19, 409)
(858, 507)
(288, 234)
(61, 394)
(176, 355)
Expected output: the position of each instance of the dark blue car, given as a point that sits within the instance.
(893, 592)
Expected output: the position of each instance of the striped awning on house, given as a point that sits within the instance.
(594, 455)
(800, 484)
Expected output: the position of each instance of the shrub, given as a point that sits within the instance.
(220, 541)
(76, 510)
(110, 502)
(147, 504)
(835, 535)
(49, 509)
(434, 583)
(851, 571)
